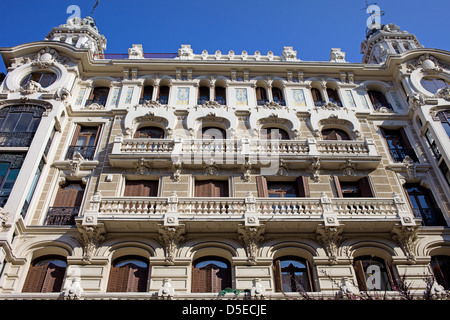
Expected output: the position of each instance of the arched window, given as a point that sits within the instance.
(292, 274)
(261, 96)
(210, 274)
(378, 100)
(146, 94)
(213, 133)
(317, 97)
(163, 95)
(149, 133)
(441, 270)
(203, 94)
(46, 274)
(98, 95)
(277, 95)
(335, 134)
(333, 96)
(373, 274)
(44, 78)
(18, 125)
(221, 95)
(128, 274)
(434, 84)
(274, 134)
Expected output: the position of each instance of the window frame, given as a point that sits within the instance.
(360, 272)
(206, 273)
(278, 274)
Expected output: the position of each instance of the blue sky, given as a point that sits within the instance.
(311, 27)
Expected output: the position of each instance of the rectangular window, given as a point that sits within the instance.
(211, 188)
(66, 205)
(141, 188)
(399, 146)
(84, 142)
(283, 189)
(353, 189)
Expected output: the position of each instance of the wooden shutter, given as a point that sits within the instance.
(337, 184)
(366, 190)
(69, 196)
(211, 188)
(277, 276)
(91, 133)
(316, 94)
(54, 277)
(309, 276)
(389, 274)
(35, 278)
(118, 279)
(199, 280)
(360, 276)
(261, 185)
(141, 188)
(303, 187)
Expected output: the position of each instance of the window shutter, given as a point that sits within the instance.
(69, 196)
(141, 188)
(54, 278)
(198, 280)
(359, 270)
(366, 190)
(337, 184)
(303, 187)
(202, 189)
(113, 278)
(261, 185)
(277, 276)
(35, 278)
(309, 275)
(389, 273)
(405, 139)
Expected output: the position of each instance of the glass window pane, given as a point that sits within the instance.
(4, 166)
(10, 122)
(24, 122)
(9, 182)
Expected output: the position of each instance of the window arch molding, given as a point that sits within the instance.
(434, 71)
(141, 116)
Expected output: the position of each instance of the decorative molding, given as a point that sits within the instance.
(251, 238)
(171, 237)
(329, 238)
(90, 237)
(406, 237)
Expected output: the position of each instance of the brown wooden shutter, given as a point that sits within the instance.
(54, 278)
(309, 275)
(366, 190)
(202, 189)
(337, 184)
(70, 195)
(303, 187)
(277, 276)
(389, 274)
(141, 188)
(198, 280)
(261, 185)
(35, 278)
(211, 188)
(360, 276)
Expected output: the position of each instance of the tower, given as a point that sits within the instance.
(388, 39)
(80, 33)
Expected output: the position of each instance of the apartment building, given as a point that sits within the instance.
(197, 175)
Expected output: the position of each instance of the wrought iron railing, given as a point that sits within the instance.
(86, 152)
(16, 139)
(430, 216)
(400, 154)
(61, 216)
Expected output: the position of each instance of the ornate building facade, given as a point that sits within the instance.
(190, 175)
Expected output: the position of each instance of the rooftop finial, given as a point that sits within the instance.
(374, 21)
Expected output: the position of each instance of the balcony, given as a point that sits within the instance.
(400, 154)
(100, 102)
(233, 152)
(225, 213)
(16, 139)
(430, 216)
(61, 216)
(86, 152)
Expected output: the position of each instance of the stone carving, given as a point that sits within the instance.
(142, 167)
(348, 169)
(410, 166)
(166, 291)
(336, 55)
(329, 238)
(4, 220)
(289, 54)
(258, 291)
(74, 291)
(406, 237)
(31, 87)
(90, 238)
(315, 166)
(443, 93)
(136, 52)
(251, 238)
(171, 237)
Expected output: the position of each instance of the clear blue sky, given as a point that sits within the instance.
(311, 27)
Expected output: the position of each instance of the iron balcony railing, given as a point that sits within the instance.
(430, 216)
(16, 139)
(161, 100)
(86, 152)
(400, 154)
(61, 216)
